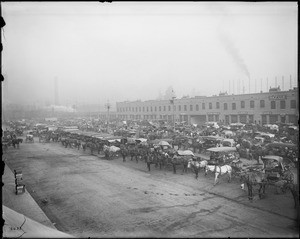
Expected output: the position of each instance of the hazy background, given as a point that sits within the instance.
(128, 51)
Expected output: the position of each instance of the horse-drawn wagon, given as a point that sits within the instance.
(220, 161)
(29, 138)
(274, 168)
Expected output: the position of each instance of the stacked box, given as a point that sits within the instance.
(20, 186)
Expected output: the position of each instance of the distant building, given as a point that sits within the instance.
(261, 108)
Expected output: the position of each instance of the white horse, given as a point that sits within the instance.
(196, 166)
(219, 170)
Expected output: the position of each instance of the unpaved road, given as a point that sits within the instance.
(87, 196)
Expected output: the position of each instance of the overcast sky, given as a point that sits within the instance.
(128, 51)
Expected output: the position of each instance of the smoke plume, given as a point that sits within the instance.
(233, 51)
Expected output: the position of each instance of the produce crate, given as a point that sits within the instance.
(20, 188)
(18, 173)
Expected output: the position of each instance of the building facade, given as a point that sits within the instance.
(261, 108)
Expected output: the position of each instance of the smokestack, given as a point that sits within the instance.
(255, 86)
(282, 83)
(261, 85)
(276, 81)
(56, 100)
(232, 86)
(290, 81)
(229, 87)
(267, 84)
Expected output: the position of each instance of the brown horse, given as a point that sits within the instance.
(252, 179)
(179, 160)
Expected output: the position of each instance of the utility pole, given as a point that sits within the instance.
(107, 106)
(172, 101)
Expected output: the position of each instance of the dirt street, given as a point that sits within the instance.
(88, 196)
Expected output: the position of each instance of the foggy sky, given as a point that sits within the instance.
(128, 51)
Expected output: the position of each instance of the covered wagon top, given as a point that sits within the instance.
(272, 157)
(212, 137)
(281, 145)
(222, 149)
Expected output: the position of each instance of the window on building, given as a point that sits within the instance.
(218, 105)
(185, 108)
(179, 107)
(293, 104)
(147, 109)
(191, 107)
(155, 109)
(197, 107)
(164, 108)
(203, 106)
(143, 109)
(262, 104)
(159, 108)
(169, 108)
(151, 109)
(242, 104)
(273, 119)
(210, 105)
(251, 103)
(282, 104)
(273, 104)
(136, 109)
(233, 106)
(225, 106)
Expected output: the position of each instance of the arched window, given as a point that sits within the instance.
(225, 106)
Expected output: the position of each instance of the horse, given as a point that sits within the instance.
(219, 170)
(16, 142)
(92, 146)
(177, 160)
(252, 179)
(133, 153)
(196, 166)
(294, 188)
(150, 159)
(83, 145)
(124, 153)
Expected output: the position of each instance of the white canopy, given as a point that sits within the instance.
(164, 143)
(185, 153)
(114, 149)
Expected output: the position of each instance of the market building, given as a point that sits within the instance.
(261, 108)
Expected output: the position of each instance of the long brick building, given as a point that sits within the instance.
(261, 108)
